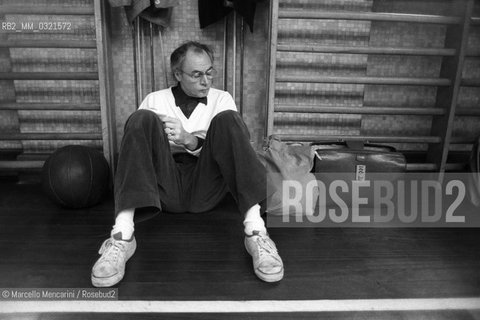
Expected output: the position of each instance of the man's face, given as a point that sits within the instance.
(195, 62)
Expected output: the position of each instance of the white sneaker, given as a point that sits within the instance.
(110, 267)
(267, 264)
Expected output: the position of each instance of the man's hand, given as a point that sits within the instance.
(176, 133)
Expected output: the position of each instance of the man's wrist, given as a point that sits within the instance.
(191, 142)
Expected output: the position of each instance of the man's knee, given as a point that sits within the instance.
(227, 116)
(228, 119)
(228, 123)
(142, 119)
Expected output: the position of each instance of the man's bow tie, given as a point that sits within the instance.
(200, 100)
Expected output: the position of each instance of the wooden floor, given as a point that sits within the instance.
(200, 257)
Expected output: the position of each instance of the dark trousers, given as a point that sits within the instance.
(151, 179)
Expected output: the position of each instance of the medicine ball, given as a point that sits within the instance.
(75, 176)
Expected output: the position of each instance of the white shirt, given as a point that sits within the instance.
(162, 102)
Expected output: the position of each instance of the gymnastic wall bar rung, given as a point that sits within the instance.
(71, 44)
(389, 139)
(433, 167)
(359, 110)
(21, 165)
(367, 50)
(51, 106)
(467, 112)
(48, 76)
(473, 53)
(470, 82)
(475, 20)
(51, 136)
(46, 10)
(368, 16)
(475, 112)
(366, 80)
(421, 167)
(454, 166)
(462, 140)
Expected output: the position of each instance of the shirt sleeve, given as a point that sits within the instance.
(200, 142)
(145, 103)
(155, 103)
(226, 102)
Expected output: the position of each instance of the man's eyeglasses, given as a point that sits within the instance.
(197, 75)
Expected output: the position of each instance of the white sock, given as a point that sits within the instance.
(253, 220)
(124, 224)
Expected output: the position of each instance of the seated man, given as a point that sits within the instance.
(182, 151)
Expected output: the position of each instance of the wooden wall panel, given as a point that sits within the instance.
(53, 40)
(407, 89)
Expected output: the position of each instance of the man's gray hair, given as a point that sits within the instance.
(178, 55)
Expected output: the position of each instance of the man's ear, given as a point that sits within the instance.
(177, 75)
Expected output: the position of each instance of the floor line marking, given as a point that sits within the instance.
(247, 306)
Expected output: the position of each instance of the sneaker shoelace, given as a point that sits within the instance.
(265, 246)
(110, 250)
